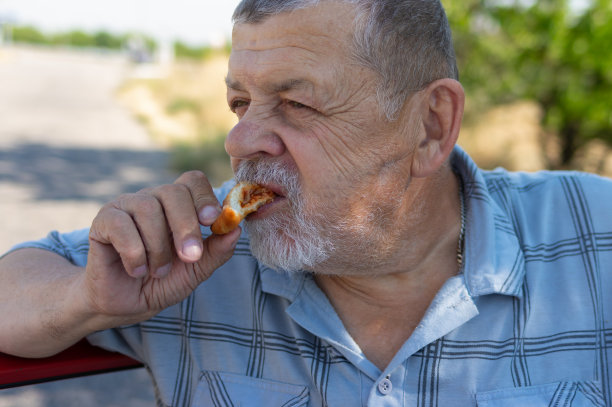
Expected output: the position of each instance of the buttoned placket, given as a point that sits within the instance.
(387, 390)
(452, 307)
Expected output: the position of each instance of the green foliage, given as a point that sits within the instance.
(28, 34)
(102, 39)
(543, 51)
(185, 51)
(75, 38)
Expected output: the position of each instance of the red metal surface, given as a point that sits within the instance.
(79, 360)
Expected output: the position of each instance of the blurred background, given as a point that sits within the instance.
(101, 98)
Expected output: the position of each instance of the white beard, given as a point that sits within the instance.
(292, 239)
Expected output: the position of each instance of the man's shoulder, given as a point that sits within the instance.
(506, 188)
(549, 205)
(548, 184)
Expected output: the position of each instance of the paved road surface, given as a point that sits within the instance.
(66, 147)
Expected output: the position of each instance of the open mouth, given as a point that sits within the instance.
(267, 208)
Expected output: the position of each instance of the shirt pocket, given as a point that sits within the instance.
(561, 394)
(219, 389)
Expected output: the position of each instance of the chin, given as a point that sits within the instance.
(288, 246)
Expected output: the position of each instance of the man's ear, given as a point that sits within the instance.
(441, 113)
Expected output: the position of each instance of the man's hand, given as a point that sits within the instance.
(146, 251)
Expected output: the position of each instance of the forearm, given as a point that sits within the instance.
(44, 309)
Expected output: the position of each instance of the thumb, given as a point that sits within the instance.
(217, 250)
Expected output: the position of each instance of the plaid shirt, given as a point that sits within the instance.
(526, 324)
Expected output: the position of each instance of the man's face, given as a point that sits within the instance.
(308, 112)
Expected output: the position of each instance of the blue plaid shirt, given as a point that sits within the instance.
(528, 322)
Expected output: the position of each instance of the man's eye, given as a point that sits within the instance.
(297, 105)
(237, 104)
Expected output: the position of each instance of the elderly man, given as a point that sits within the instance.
(389, 271)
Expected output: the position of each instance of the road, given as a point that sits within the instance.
(66, 147)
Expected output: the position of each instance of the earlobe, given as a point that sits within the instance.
(442, 110)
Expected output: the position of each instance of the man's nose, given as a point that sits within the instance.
(251, 138)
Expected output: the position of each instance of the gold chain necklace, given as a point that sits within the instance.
(461, 240)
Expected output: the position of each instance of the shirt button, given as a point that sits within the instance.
(385, 386)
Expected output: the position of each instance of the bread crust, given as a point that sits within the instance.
(244, 198)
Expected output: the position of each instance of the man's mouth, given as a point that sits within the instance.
(269, 207)
(278, 189)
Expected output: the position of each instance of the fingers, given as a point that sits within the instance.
(206, 204)
(147, 214)
(136, 228)
(116, 228)
(182, 220)
(152, 228)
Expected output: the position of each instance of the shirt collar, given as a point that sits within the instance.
(282, 283)
(310, 308)
(494, 262)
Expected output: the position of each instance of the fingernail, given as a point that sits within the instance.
(208, 214)
(192, 249)
(163, 271)
(140, 271)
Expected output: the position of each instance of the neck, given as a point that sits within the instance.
(390, 301)
(409, 231)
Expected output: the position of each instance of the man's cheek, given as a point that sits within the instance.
(331, 149)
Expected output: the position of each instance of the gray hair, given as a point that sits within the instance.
(408, 43)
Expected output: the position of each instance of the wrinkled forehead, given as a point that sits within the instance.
(325, 25)
(312, 44)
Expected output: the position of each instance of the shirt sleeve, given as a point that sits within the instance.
(73, 246)
(126, 340)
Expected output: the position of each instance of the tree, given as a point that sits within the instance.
(543, 51)
(29, 34)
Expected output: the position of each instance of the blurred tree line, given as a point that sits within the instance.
(199, 52)
(540, 50)
(74, 38)
(106, 40)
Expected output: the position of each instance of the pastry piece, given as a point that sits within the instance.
(243, 198)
